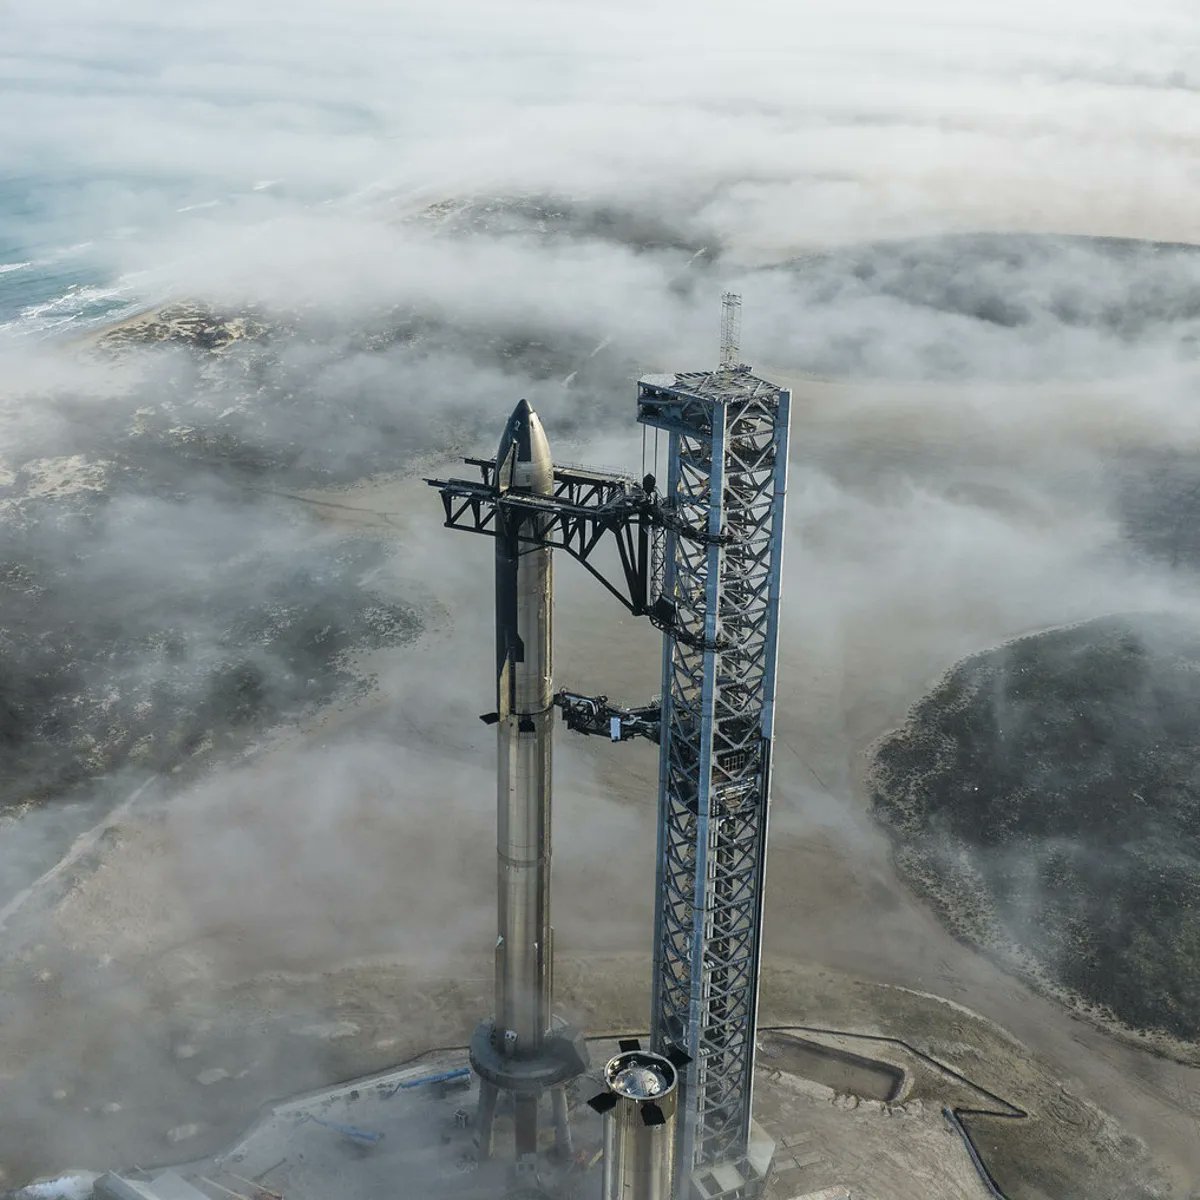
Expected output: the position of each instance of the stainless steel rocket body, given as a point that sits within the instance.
(639, 1128)
(523, 1051)
(524, 700)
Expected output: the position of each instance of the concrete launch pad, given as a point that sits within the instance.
(852, 1115)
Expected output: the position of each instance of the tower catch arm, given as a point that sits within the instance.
(583, 507)
(595, 715)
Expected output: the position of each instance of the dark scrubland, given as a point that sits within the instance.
(1046, 797)
(117, 652)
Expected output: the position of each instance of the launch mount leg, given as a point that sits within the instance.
(525, 1118)
(486, 1120)
(562, 1122)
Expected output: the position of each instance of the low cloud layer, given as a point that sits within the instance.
(770, 128)
(432, 214)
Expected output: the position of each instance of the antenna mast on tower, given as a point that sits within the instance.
(731, 330)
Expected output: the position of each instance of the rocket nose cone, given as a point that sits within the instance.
(523, 457)
(519, 430)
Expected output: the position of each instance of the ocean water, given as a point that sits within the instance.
(61, 248)
(53, 275)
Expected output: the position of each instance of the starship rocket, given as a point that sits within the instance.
(523, 1050)
(524, 707)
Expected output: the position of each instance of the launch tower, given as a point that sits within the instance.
(727, 478)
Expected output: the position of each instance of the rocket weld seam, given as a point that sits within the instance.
(521, 862)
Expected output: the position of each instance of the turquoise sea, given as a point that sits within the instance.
(49, 283)
(61, 253)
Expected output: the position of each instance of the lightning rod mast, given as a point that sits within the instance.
(731, 330)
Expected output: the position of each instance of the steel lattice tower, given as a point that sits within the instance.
(720, 590)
